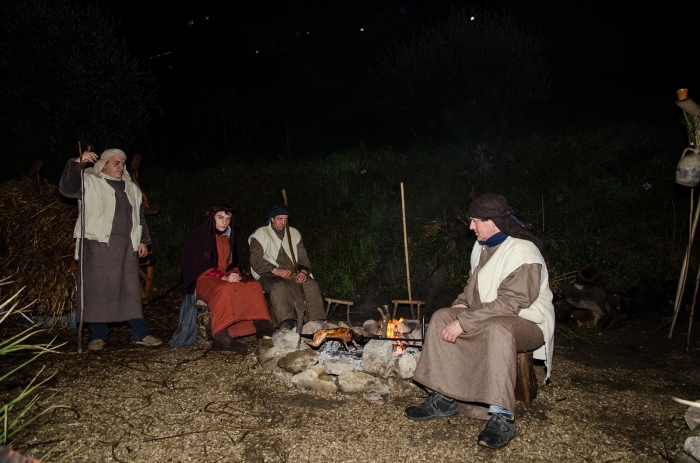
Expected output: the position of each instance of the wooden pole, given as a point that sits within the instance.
(305, 311)
(405, 243)
(684, 269)
(692, 311)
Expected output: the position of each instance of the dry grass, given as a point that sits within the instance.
(36, 244)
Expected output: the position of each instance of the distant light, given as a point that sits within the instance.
(472, 18)
(191, 22)
(257, 51)
(308, 32)
(161, 54)
(362, 29)
(206, 17)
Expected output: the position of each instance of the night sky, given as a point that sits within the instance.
(609, 60)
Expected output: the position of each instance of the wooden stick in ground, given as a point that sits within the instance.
(296, 265)
(692, 311)
(684, 270)
(405, 243)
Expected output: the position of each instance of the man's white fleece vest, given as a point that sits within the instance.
(100, 204)
(510, 255)
(267, 237)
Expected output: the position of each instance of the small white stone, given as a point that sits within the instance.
(286, 339)
(406, 366)
(311, 327)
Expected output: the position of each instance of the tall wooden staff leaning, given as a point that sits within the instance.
(300, 316)
(82, 246)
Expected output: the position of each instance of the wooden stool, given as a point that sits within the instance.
(398, 302)
(526, 382)
(331, 307)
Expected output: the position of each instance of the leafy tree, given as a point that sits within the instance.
(64, 77)
(465, 73)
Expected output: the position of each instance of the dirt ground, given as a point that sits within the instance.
(608, 400)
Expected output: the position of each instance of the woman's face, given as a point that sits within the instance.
(223, 220)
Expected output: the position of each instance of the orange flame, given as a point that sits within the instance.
(393, 331)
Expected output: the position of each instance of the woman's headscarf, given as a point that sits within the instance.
(200, 251)
(491, 206)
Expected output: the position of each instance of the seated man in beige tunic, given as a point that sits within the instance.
(469, 355)
(271, 263)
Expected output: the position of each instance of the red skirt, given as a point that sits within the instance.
(233, 305)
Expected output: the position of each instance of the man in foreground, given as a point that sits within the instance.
(115, 233)
(271, 263)
(469, 355)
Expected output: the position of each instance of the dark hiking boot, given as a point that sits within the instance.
(498, 431)
(435, 406)
(223, 342)
(262, 328)
(287, 324)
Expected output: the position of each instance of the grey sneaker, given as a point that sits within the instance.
(498, 431)
(149, 341)
(96, 344)
(435, 406)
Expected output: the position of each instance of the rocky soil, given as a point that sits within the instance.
(608, 400)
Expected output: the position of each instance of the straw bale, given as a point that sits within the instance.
(36, 244)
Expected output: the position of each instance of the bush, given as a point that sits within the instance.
(464, 74)
(65, 77)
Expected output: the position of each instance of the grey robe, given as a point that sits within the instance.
(110, 270)
(479, 369)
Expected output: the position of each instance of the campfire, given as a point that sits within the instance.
(396, 329)
(325, 358)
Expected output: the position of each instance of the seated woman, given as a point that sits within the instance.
(210, 266)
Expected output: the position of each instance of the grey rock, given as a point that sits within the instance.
(406, 366)
(337, 366)
(378, 395)
(298, 361)
(401, 386)
(377, 358)
(316, 379)
(311, 327)
(357, 381)
(371, 328)
(692, 447)
(282, 375)
(286, 339)
(692, 416)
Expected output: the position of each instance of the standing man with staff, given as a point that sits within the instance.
(271, 262)
(115, 234)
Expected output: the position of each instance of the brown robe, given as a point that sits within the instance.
(110, 270)
(285, 293)
(232, 306)
(479, 369)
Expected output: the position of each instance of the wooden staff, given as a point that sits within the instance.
(405, 244)
(684, 268)
(296, 269)
(82, 247)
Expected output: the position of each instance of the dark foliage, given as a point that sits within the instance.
(466, 74)
(65, 77)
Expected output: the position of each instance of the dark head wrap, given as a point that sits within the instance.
(275, 211)
(200, 251)
(278, 210)
(491, 206)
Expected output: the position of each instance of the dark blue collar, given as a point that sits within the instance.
(495, 240)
